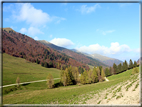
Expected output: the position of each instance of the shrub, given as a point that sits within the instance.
(135, 70)
(50, 81)
(18, 81)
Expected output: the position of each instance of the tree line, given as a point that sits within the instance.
(72, 76)
(116, 69)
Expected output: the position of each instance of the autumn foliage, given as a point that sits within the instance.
(20, 45)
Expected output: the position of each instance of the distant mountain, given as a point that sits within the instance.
(51, 45)
(106, 60)
(75, 54)
(139, 60)
(74, 50)
(20, 45)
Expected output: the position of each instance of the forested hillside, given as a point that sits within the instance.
(76, 55)
(20, 45)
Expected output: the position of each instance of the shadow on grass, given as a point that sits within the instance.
(58, 85)
(25, 84)
(61, 84)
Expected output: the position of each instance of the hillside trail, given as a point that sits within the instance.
(118, 94)
(27, 82)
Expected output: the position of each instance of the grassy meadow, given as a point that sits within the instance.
(27, 71)
(38, 93)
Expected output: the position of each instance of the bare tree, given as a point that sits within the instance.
(18, 81)
(50, 81)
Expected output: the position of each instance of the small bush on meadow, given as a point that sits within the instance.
(18, 81)
(135, 70)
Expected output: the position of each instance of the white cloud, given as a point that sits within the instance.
(105, 32)
(31, 31)
(115, 48)
(23, 30)
(35, 38)
(63, 42)
(85, 9)
(58, 19)
(31, 15)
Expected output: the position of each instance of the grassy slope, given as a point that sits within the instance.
(37, 93)
(27, 71)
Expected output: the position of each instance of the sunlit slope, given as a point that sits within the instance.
(65, 95)
(27, 71)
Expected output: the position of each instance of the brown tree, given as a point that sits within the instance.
(18, 81)
(50, 81)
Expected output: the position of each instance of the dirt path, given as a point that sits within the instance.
(123, 93)
(27, 82)
(106, 79)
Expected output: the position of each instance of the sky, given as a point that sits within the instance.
(109, 29)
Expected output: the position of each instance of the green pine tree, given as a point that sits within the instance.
(131, 64)
(115, 68)
(135, 64)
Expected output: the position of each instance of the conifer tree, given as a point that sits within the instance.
(42, 64)
(130, 64)
(115, 68)
(119, 68)
(37, 61)
(111, 70)
(107, 72)
(126, 65)
(135, 64)
(46, 64)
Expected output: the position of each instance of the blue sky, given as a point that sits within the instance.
(109, 29)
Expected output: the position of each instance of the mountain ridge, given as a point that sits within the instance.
(76, 55)
(107, 60)
(21, 45)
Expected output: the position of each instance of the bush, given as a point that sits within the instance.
(135, 70)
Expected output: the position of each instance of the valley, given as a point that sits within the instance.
(38, 93)
(77, 78)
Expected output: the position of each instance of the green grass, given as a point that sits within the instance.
(123, 75)
(62, 94)
(27, 71)
(136, 86)
(38, 93)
